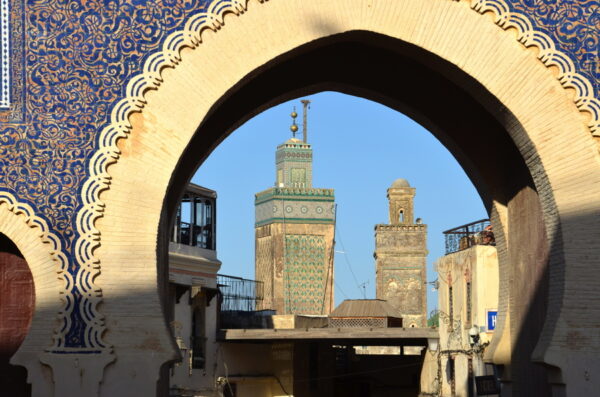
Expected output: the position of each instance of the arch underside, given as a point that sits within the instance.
(504, 124)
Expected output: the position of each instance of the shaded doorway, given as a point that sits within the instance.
(17, 299)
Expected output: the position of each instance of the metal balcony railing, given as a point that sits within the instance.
(239, 294)
(465, 236)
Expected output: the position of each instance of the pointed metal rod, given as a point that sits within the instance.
(305, 102)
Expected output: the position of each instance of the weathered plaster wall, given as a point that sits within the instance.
(478, 266)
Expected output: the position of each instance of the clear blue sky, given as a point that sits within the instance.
(359, 147)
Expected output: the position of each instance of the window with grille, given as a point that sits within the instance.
(199, 331)
(468, 305)
(452, 376)
(450, 307)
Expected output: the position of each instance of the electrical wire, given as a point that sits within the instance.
(341, 290)
(348, 261)
(281, 385)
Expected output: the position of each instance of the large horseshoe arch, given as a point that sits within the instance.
(490, 100)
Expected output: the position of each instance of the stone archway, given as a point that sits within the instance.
(538, 129)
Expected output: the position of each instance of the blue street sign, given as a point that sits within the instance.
(491, 319)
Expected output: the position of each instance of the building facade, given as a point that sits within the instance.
(294, 235)
(201, 302)
(193, 302)
(468, 307)
(401, 257)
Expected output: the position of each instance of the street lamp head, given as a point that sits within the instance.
(474, 335)
(432, 344)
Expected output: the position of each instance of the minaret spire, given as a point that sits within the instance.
(306, 104)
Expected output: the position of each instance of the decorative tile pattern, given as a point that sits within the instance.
(295, 211)
(79, 57)
(73, 62)
(573, 26)
(304, 273)
(567, 36)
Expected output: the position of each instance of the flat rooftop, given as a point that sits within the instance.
(351, 335)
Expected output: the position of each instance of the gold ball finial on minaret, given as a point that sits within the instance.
(294, 127)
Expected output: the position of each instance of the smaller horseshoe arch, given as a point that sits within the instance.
(17, 297)
(31, 265)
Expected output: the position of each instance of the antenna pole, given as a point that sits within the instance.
(306, 104)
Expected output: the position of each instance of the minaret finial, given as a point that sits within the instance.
(294, 127)
(306, 104)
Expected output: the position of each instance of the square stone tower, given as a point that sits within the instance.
(401, 257)
(294, 235)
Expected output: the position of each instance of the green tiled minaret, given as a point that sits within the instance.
(294, 229)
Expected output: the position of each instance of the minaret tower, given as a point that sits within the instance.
(294, 233)
(401, 257)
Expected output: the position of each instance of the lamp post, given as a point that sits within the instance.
(474, 342)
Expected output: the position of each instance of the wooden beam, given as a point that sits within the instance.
(358, 335)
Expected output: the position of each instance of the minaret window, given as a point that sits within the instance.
(298, 177)
(401, 217)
